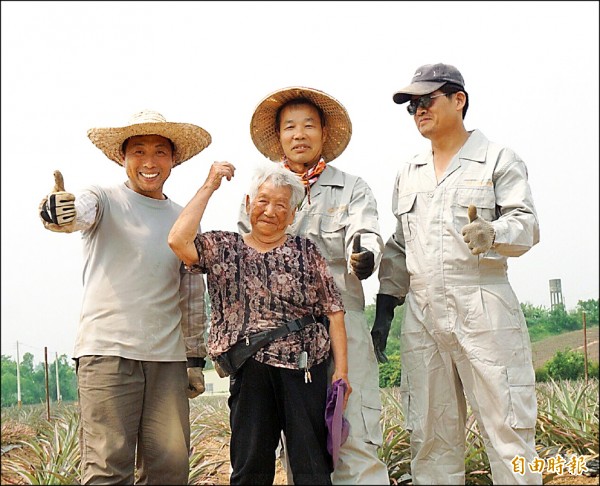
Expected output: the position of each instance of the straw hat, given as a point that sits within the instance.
(266, 139)
(189, 140)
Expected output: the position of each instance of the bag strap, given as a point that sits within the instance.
(292, 326)
(245, 348)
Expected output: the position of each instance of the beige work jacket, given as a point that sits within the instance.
(428, 245)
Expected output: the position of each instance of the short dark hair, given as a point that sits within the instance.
(295, 102)
(124, 145)
(451, 88)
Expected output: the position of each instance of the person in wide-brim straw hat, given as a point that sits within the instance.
(304, 129)
(142, 320)
(188, 140)
(265, 134)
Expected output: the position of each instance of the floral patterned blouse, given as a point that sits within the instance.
(252, 291)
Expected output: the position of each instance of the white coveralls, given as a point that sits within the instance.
(463, 331)
(341, 206)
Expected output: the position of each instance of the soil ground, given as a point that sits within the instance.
(545, 349)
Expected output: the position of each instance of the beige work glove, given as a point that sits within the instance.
(478, 234)
(195, 382)
(57, 209)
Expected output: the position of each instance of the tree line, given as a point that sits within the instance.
(33, 380)
(541, 323)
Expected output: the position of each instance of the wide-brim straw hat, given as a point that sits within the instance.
(265, 136)
(189, 140)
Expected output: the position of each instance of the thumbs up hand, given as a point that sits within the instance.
(362, 260)
(57, 210)
(478, 234)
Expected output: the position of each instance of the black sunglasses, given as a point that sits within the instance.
(424, 101)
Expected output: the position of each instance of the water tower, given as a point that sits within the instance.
(556, 297)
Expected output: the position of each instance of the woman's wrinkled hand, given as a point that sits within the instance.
(218, 171)
(344, 376)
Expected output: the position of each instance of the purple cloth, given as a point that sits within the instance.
(337, 425)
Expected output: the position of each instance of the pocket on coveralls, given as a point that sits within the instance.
(483, 198)
(332, 235)
(403, 208)
(371, 414)
(522, 412)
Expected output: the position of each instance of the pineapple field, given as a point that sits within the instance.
(38, 450)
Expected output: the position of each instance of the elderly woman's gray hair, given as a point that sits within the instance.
(279, 177)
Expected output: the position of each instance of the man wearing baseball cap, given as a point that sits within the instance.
(142, 319)
(462, 207)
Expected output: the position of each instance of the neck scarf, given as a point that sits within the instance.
(309, 177)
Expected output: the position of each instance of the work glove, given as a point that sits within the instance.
(57, 210)
(195, 381)
(384, 314)
(478, 234)
(362, 260)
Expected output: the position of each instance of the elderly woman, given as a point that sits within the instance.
(260, 281)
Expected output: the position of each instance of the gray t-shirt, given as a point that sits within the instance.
(130, 279)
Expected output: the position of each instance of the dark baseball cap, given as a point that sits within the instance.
(427, 79)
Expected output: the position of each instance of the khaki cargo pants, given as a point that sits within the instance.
(130, 407)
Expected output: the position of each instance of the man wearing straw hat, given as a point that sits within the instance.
(305, 129)
(142, 317)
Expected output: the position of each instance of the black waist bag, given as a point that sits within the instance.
(232, 360)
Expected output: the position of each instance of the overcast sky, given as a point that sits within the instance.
(530, 68)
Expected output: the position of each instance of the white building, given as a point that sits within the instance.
(214, 384)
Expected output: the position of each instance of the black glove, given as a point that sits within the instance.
(362, 260)
(384, 314)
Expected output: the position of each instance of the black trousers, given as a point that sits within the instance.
(264, 400)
